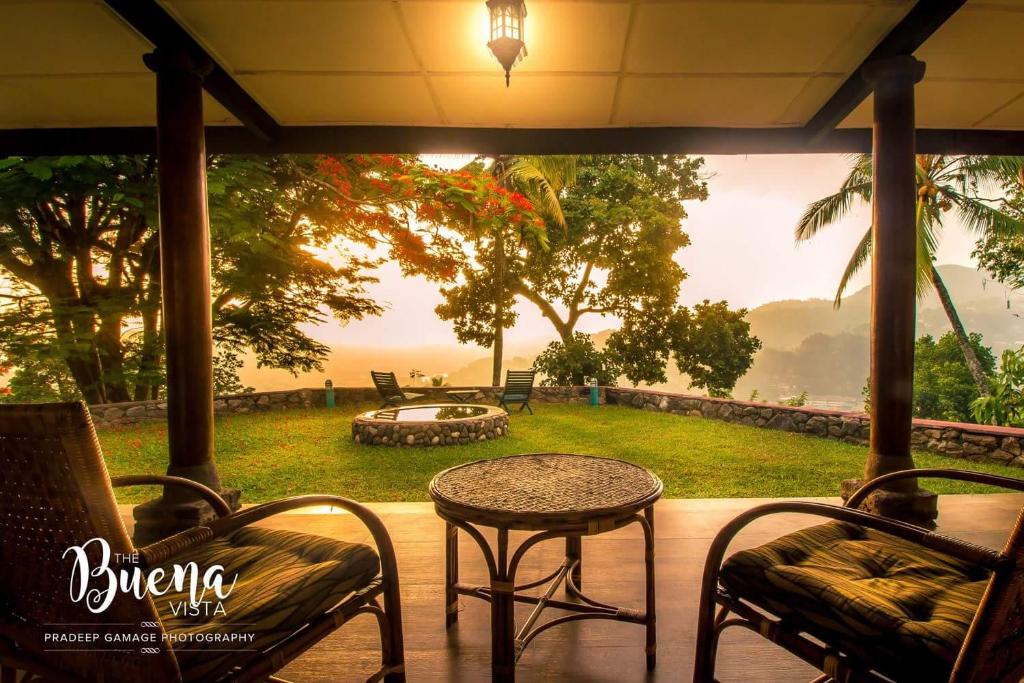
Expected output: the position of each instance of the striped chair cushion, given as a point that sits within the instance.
(284, 580)
(889, 602)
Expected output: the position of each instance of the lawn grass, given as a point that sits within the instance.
(270, 455)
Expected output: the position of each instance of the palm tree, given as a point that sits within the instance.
(944, 183)
(540, 179)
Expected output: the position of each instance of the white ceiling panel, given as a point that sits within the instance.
(754, 37)
(344, 99)
(532, 101)
(1009, 117)
(98, 101)
(705, 100)
(297, 35)
(66, 38)
(981, 41)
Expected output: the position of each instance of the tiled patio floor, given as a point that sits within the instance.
(597, 651)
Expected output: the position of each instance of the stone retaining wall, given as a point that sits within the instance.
(152, 411)
(970, 441)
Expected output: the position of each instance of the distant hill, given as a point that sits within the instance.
(812, 346)
(980, 300)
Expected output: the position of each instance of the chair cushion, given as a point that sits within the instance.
(901, 608)
(284, 580)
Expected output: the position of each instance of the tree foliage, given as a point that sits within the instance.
(1004, 405)
(292, 240)
(943, 386)
(1003, 254)
(711, 344)
(575, 362)
(226, 381)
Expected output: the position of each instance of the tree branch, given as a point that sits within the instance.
(546, 309)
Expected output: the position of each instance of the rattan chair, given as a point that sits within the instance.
(293, 589)
(518, 389)
(387, 387)
(867, 598)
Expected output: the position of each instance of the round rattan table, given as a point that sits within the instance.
(555, 495)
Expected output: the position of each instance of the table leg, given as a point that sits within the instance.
(574, 551)
(503, 617)
(451, 574)
(650, 612)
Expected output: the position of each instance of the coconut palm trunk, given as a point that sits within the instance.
(971, 358)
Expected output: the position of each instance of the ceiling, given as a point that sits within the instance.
(591, 63)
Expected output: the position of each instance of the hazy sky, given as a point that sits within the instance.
(741, 250)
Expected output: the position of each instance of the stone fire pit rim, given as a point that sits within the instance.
(492, 411)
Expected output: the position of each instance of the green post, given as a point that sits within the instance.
(329, 393)
(593, 391)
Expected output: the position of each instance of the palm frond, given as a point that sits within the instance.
(831, 209)
(927, 242)
(981, 218)
(991, 166)
(541, 179)
(860, 256)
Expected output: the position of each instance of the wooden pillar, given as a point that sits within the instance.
(893, 286)
(185, 283)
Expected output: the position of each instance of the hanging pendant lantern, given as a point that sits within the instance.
(507, 43)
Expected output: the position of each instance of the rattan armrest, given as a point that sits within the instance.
(411, 395)
(165, 549)
(218, 504)
(936, 473)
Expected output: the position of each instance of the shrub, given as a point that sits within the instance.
(574, 362)
(1005, 405)
(796, 401)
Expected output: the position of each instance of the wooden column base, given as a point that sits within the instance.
(160, 518)
(918, 507)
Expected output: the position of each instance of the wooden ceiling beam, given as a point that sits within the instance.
(923, 20)
(161, 29)
(422, 140)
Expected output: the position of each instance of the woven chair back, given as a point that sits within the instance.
(387, 385)
(55, 493)
(519, 383)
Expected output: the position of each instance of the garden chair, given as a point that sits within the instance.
(387, 386)
(867, 598)
(518, 389)
(292, 591)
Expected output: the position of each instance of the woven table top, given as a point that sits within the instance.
(555, 486)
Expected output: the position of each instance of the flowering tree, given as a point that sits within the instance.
(79, 257)
(423, 214)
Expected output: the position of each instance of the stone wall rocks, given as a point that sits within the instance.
(973, 442)
(239, 404)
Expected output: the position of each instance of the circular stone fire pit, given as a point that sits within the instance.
(429, 425)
